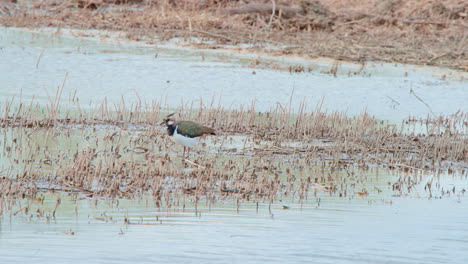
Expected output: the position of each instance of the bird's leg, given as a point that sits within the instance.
(188, 155)
(183, 155)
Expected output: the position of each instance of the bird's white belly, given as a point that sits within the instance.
(184, 141)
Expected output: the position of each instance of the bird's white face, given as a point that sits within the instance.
(170, 122)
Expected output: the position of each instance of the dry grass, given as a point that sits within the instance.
(117, 151)
(416, 31)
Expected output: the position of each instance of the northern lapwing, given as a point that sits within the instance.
(186, 133)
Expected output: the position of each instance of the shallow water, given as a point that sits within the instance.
(360, 230)
(37, 63)
(383, 227)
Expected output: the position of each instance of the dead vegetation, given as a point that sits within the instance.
(416, 31)
(119, 151)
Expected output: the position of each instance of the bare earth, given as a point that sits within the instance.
(415, 31)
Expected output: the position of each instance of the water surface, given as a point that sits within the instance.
(371, 229)
(36, 64)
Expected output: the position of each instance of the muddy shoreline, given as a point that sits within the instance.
(344, 34)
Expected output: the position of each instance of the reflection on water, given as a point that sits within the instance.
(363, 229)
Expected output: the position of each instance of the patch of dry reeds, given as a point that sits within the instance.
(120, 150)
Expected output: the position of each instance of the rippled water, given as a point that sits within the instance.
(384, 227)
(369, 229)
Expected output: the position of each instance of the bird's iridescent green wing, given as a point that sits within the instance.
(192, 129)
